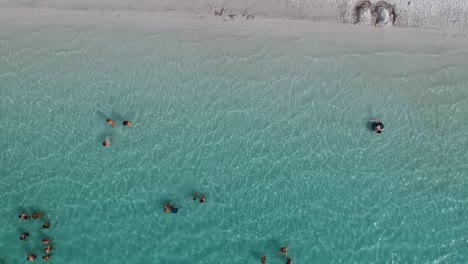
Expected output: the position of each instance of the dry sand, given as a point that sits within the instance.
(353, 38)
(436, 14)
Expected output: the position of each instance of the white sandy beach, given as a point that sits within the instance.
(447, 14)
(366, 38)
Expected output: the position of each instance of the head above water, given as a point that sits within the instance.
(377, 127)
(125, 123)
(36, 215)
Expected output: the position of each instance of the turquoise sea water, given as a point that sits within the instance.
(272, 130)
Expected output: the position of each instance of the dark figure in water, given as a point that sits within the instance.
(289, 261)
(263, 259)
(24, 217)
(24, 236)
(202, 198)
(36, 215)
(127, 124)
(110, 122)
(169, 209)
(107, 143)
(46, 225)
(48, 249)
(377, 126)
(31, 257)
(283, 251)
(46, 257)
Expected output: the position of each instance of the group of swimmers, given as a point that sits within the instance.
(377, 127)
(25, 236)
(170, 209)
(283, 251)
(110, 122)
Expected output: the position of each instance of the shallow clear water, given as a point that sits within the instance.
(273, 130)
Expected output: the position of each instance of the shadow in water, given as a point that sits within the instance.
(102, 115)
(256, 254)
(369, 125)
(117, 117)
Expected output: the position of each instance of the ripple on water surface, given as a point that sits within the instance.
(275, 135)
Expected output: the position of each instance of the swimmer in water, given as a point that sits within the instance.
(46, 225)
(45, 241)
(24, 217)
(46, 257)
(127, 124)
(48, 249)
(107, 143)
(31, 257)
(168, 208)
(283, 251)
(36, 215)
(377, 126)
(202, 199)
(24, 236)
(110, 122)
(263, 259)
(289, 261)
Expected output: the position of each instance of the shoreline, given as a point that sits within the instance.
(442, 15)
